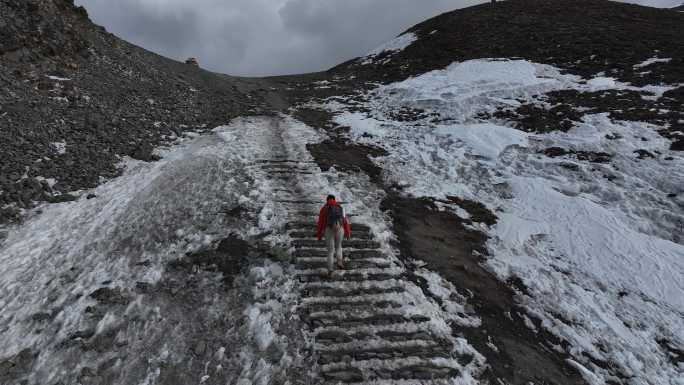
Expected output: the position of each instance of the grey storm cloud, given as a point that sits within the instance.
(269, 37)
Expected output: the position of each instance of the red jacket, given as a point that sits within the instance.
(323, 221)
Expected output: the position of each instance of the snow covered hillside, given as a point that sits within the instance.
(596, 241)
(514, 179)
(123, 288)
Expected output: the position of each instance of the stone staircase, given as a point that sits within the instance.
(369, 323)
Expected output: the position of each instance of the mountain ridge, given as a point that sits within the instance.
(591, 36)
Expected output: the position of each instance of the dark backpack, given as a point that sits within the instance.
(335, 215)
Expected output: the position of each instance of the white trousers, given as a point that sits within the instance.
(333, 237)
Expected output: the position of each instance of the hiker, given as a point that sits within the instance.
(333, 224)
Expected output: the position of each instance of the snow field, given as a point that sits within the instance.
(598, 245)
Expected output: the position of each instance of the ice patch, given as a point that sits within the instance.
(486, 139)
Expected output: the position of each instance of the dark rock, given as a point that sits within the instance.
(15, 369)
(143, 287)
(39, 317)
(347, 156)
(110, 296)
(61, 198)
(643, 154)
(82, 334)
(229, 257)
(594, 157)
(144, 152)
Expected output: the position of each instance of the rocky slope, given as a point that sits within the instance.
(75, 99)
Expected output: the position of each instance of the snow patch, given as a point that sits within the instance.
(652, 60)
(59, 147)
(57, 78)
(599, 246)
(486, 139)
(394, 46)
(50, 181)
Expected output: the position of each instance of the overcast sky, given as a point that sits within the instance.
(268, 37)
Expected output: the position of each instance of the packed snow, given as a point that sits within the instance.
(391, 47)
(598, 245)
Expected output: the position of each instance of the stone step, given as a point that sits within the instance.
(343, 305)
(351, 243)
(286, 191)
(341, 293)
(281, 177)
(347, 254)
(351, 319)
(312, 240)
(341, 336)
(409, 368)
(311, 226)
(290, 177)
(311, 235)
(357, 298)
(287, 166)
(314, 214)
(347, 276)
(438, 381)
(291, 171)
(284, 160)
(349, 264)
(381, 349)
(304, 201)
(347, 270)
(388, 331)
(349, 286)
